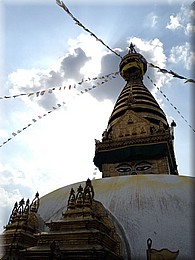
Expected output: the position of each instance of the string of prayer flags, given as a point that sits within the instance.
(172, 73)
(14, 134)
(50, 91)
(171, 103)
(77, 22)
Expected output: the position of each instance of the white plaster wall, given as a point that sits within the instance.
(159, 207)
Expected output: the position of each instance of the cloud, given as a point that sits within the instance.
(190, 29)
(26, 81)
(110, 63)
(183, 20)
(152, 20)
(11, 190)
(174, 23)
(82, 59)
(182, 54)
(71, 65)
(78, 62)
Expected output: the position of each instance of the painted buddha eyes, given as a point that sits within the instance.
(123, 168)
(133, 169)
(143, 166)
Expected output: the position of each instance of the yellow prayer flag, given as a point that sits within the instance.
(30, 94)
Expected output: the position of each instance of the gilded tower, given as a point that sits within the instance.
(138, 139)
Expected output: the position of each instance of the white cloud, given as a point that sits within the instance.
(174, 23)
(182, 54)
(190, 29)
(152, 20)
(182, 20)
(12, 189)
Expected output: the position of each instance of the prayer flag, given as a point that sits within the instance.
(163, 70)
(61, 4)
(58, 2)
(14, 134)
(190, 80)
(77, 22)
(42, 92)
(176, 75)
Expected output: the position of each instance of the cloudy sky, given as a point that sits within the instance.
(45, 55)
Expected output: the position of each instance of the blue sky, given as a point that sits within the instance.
(43, 48)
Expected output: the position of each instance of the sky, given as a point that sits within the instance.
(53, 132)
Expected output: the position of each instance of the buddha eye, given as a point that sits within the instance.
(143, 166)
(123, 168)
